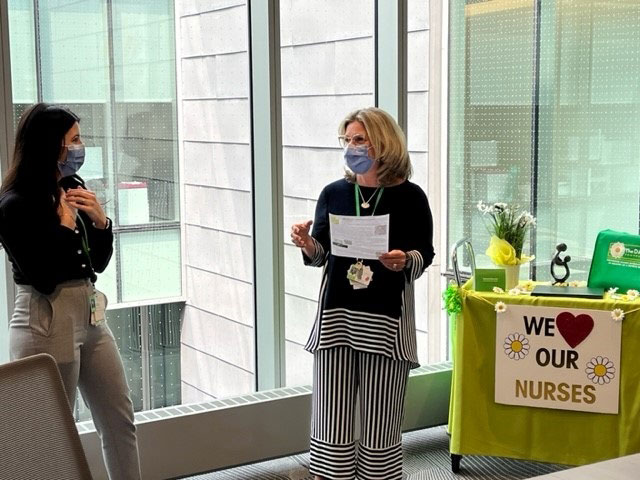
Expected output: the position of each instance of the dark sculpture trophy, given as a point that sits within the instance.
(557, 289)
(562, 262)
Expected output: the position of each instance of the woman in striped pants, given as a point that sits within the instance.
(363, 339)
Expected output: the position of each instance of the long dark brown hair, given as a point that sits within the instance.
(39, 139)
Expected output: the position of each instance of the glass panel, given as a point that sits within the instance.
(74, 55)
(164, 354)
(218, 335)
(589, 117)
(150, 264)
(417, 139)
(587, 144)
(22, 39)
(145, 115)
(23, 50)
(147, 170)
(327, 62)
(490, 112)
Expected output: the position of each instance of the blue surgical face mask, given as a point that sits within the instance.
(358, 159)
(73, 162)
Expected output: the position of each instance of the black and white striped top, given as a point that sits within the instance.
(380, 318)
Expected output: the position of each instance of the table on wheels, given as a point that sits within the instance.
(479, 426)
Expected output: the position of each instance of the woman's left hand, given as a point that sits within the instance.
(86, 201)
(395, 260)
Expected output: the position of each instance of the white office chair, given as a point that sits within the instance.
(38, 435)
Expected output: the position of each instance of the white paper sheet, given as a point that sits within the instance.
(359, 237)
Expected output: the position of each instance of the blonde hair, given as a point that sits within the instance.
(388, 142)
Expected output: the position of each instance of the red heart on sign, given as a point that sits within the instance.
(574, 329)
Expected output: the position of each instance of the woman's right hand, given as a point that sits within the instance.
(66, 212)
(301, 238)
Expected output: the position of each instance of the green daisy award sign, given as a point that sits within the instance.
(559, 358)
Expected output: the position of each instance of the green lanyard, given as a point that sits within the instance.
(356, 189)
(85, 240)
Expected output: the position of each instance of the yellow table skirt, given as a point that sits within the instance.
(479, 426)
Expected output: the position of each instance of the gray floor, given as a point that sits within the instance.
(426, 457)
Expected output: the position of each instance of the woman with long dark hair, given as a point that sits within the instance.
(58, 237)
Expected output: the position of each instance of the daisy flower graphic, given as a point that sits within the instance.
(515, 291)
(516, 346)
(501, 307)
(528, 286)
(633, 294)
(498, 290)
(600, 370)
(618, 314)
(617, 250)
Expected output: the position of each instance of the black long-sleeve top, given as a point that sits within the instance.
(380, 318)
(44, 253)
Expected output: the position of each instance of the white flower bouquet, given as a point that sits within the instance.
(508, 226)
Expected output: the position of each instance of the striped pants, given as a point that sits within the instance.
(340, 375)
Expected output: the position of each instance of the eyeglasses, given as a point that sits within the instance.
(356, 140)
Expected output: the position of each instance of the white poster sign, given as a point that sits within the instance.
(558, 358)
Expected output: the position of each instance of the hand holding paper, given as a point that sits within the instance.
(394, 260)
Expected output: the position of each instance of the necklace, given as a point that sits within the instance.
(365, 203)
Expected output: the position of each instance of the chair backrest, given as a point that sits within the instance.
(38, 435)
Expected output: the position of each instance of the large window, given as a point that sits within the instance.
(544, 112)
(328, 70)
(163, 90)
(113, 63)
(173, 115)
(490, 111)
(589, 125)
(218, 334)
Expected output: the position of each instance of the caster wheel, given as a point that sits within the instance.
(455, 462)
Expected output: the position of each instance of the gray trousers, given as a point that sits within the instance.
(87, 356)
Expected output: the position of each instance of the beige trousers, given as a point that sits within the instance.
(87, 356)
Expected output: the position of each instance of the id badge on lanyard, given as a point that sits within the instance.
(97, 299)
(359, 274)
(98, 305)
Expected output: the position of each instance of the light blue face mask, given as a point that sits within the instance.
(358, 159)
(75, 160)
